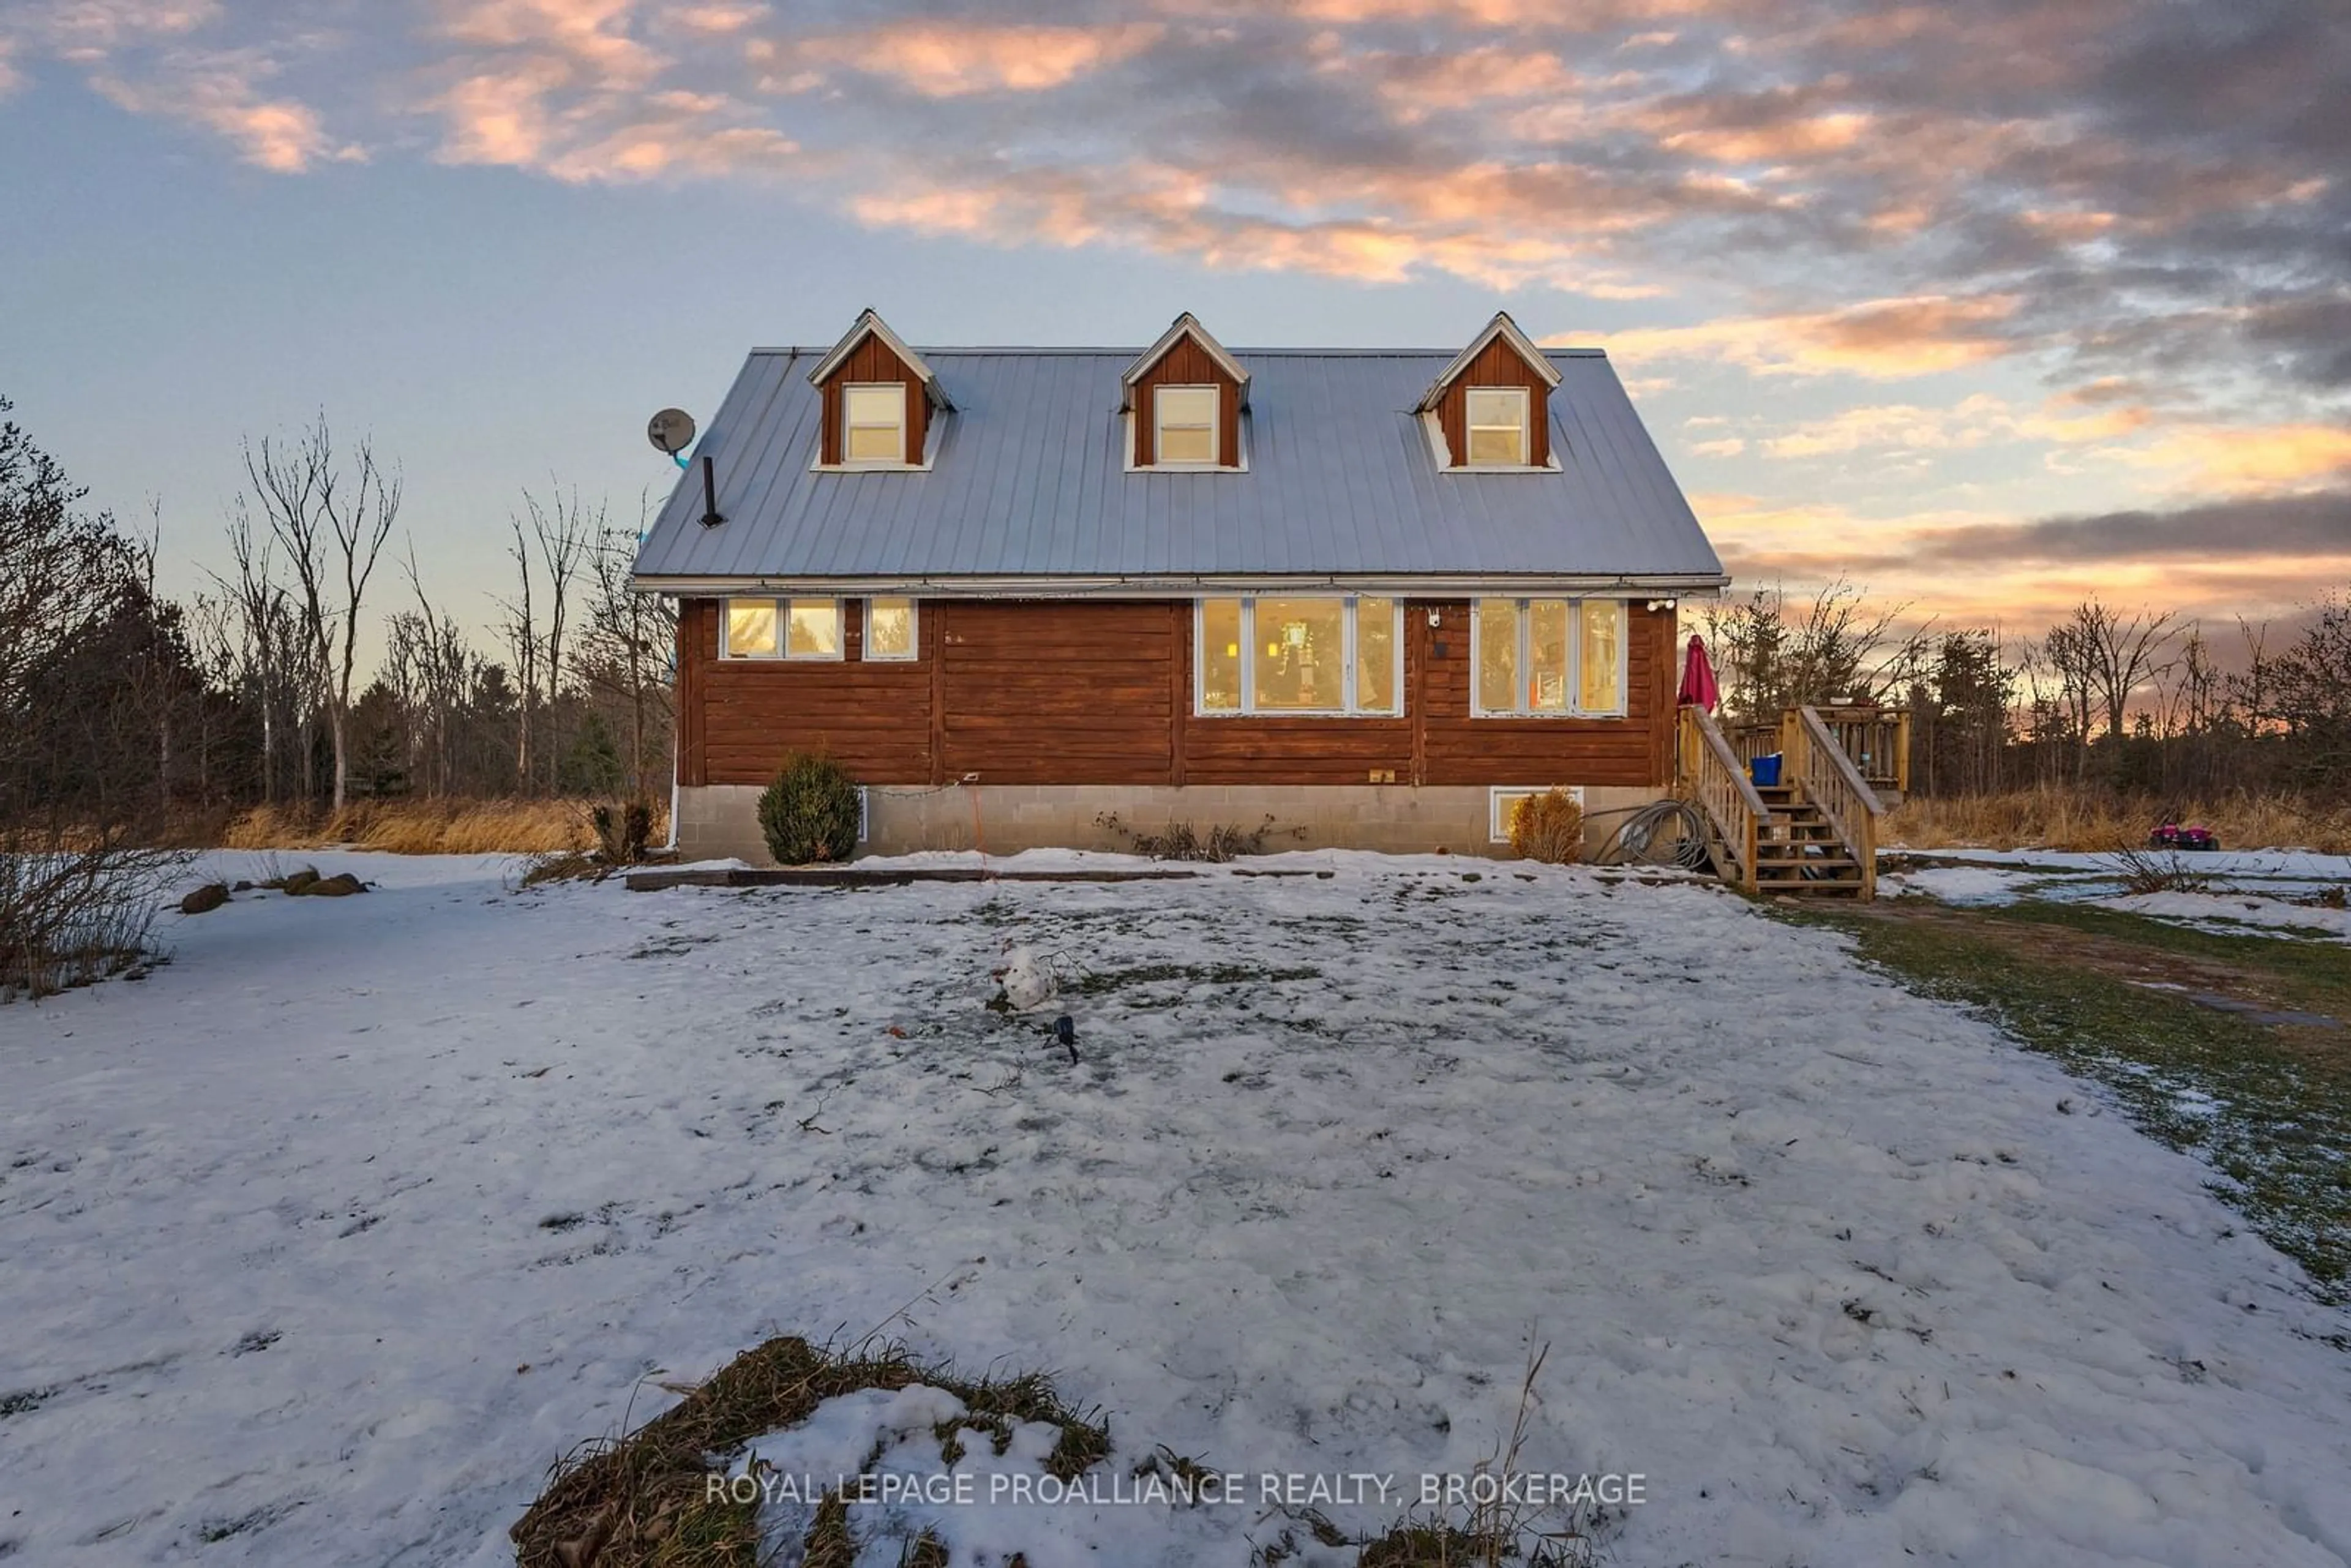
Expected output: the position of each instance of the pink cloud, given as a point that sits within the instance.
(1882, 339)
(85, 30)
(951, 60)
(595, 35)
(217, 92)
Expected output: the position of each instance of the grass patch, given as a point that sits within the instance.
(1102, 982)
(25, 1401)
(2269, 1108)
(1221, 842)
(643, 1499)
(2313, 975)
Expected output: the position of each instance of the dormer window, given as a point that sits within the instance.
(880, 402)
(1498, 427)
(1182, 400)
(1186, 418)
(1489, 408)
(875, 416)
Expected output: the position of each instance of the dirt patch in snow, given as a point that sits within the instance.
(2225, 984)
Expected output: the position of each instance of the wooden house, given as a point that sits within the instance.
(1376, 595)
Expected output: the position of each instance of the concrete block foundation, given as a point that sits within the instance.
(717, 821)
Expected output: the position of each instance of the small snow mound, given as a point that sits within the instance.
(1028, 982)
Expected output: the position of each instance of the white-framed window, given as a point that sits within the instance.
(890, 631)
(782, 629)
(873, 424)
(1185, 423)
(1547, 658)
(1503, 801)
(1497, 422)
(1299, 653)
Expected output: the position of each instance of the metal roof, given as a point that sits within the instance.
(1028, 479)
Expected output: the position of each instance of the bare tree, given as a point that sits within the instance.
(432, 668)
(522, 641)
(331, 522)
(1840, 648)
(83, 645)
(262, 616)
(567, 533)
(2114, 656)
(631, 638)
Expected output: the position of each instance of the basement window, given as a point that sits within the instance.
(890, 629)
(873, 424)
(1186, 421)
(1498, 427)
(1502, 803)
(783, 629)
(1306, 655)
(1547, 658)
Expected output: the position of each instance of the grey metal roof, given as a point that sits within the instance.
(1028, 479)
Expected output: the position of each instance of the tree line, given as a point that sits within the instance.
(2139, 702)
(259, 688)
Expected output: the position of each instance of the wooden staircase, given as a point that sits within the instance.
(1812, 835)
(1798, 851)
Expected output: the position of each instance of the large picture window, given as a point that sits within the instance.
(1298, 654)
(1547, 657)
(783, 629)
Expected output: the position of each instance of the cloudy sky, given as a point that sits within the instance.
(1989, 304)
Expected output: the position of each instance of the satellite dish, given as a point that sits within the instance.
(670, 431)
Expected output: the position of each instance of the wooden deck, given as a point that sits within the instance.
(1876, 739)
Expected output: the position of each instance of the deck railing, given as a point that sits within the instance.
(1878, 739)
(1717, 777)
(1816, 763)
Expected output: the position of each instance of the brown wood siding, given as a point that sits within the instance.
(871, 719)
(1046, 692)
(1496, 365)
(1186, 364)
(697, 650)
(1615, 751)
(1258, 749)
(1058, 692)
(871, 360)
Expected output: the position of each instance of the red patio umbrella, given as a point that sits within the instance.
(1699, 688)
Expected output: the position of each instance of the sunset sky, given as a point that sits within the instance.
(1988, 304)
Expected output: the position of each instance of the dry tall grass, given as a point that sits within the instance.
(2072, 819)
(428, 827)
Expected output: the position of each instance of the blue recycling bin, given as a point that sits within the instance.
(1764, 771)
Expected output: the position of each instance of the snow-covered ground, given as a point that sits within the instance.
(320, 1243)
(2276, 889)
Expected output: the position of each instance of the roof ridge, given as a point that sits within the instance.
(1061, 350)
